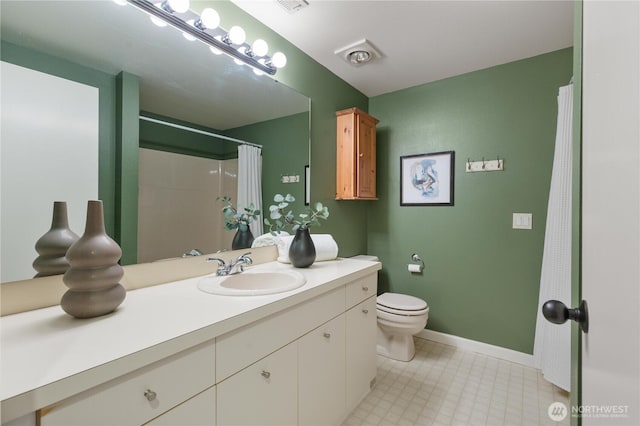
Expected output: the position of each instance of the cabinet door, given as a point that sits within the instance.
(265, 393)
(361, 350)
(321, 370)
(366, 141)
(346, 156)
(197, 411)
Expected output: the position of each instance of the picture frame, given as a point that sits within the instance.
(427, 179)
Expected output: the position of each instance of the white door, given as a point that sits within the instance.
(611, 213)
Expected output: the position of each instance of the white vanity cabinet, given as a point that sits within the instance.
(303, 358)
(321, 369)
(324, 369)
(140, 396)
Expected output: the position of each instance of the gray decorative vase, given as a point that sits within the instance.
(302, 251)
(53, 245)
(94, 274)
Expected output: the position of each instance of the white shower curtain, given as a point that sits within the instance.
(250, 182)
(552, 346)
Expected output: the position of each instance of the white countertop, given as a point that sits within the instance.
(46, 355)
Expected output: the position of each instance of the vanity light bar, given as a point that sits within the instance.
(207, 36)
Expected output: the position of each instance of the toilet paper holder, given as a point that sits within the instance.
(417, 265)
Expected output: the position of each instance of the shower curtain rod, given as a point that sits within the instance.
(202, 132)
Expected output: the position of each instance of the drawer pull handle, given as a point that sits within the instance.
(327, 335)
(365, 288)
(150, 395)
(365, 311)
(265, 374)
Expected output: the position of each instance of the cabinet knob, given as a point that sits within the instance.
(365, 311)
(327, 335)
(150, 395)
(365, 288)
(265, 374)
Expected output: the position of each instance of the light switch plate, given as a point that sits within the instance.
(522, 220)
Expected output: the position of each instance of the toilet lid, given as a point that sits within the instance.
(402, 302)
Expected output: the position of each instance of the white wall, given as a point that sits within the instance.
(48, 152)
(177, 207)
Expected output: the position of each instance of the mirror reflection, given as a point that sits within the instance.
(179, 82)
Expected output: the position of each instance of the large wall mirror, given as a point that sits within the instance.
(181, 82)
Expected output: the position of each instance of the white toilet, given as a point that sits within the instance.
(400, 317)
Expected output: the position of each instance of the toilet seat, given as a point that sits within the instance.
(401, 304)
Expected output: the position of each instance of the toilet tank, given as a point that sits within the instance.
(366, 257)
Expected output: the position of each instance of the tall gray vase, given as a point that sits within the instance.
(94, 274)
(53, 245)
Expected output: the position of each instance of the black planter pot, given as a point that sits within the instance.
(302, 252)
(242, 239)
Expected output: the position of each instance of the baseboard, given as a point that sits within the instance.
(479, 347)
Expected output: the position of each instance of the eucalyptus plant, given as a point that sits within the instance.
(300, 221)
(234, 219)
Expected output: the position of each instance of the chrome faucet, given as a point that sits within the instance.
(194, 252)
(234, 266)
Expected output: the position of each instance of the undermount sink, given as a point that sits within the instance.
(252, 283)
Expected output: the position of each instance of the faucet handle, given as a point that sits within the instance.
(245, 258)
(220, 261)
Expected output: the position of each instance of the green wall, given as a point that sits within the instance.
(328, 93)
(482, 277)
(171, 139)
(282, 139)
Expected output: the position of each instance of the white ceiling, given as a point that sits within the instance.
(420, 41)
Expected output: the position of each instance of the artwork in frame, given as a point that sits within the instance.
(427, 179)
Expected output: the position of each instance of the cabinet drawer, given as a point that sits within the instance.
(361, 289)
(244, 346)
(138, 397)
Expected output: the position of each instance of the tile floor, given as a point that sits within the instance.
(444, 385)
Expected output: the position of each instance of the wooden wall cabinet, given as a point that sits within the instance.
(355, 155)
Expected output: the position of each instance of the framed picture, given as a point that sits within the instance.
(427, 179)
(307, 185)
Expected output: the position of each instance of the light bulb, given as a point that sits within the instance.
(259, 47)
(215, 50)
(120, 2)
(236, 35)
(209, 19)
(279, 60)
(178, 6)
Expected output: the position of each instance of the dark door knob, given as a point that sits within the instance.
(556, 312)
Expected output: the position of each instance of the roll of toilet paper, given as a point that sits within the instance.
(412, 267)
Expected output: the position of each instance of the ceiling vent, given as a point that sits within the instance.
(359, 53)
(293, 6)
